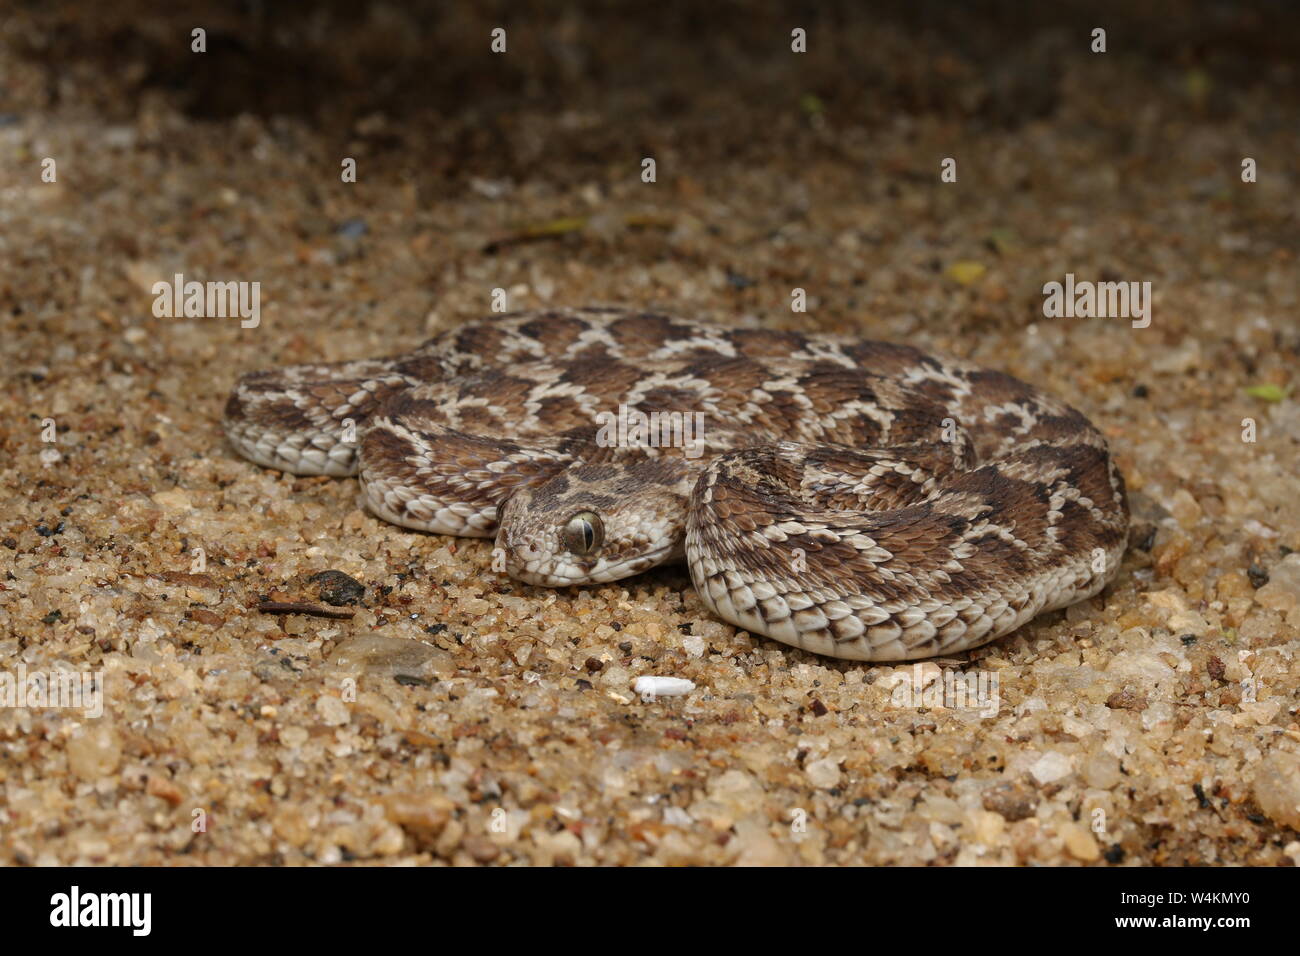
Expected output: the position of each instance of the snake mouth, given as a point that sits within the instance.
(566, 573)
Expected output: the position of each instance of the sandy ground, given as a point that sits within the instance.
(458, 717)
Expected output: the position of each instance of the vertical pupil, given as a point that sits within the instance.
(583, 533)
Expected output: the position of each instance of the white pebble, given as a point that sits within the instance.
(332, 711)
(652, 687)
(1051, 767)
(694, 646)
(677, 817)
(824, 773)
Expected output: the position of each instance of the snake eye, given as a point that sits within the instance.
(584, 532)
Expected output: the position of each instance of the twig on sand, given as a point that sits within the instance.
(298, 607)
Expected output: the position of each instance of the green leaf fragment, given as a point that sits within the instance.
(811, 104)
(1267, 392)
(1004, 241)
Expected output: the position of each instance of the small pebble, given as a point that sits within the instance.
(177, 499)
(481, 848)
(1079, 842)
(352, 228)
(396, 657)
(1282, 589)
(1011, 801)
(1126, 699)
(824, 773)
(94, 751)
(1101, 771)
(1215, 668)
(694, 646)
(1277, 788)
(1051, 767)
(337, 588)
(332, 711)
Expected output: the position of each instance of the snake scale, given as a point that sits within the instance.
(857, 499)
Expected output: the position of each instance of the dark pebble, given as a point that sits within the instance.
(1258, 576)
(1188, 640)
(1115, 854)
(738, 281)
(10, 543)
(353, 228)
(1126, 699)
(337, 588)
(52, 617)
(435, 629)
(1145, 538)
(1012, 801)
(593, 665)
(1141, 391)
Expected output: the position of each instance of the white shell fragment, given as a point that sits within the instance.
(651, 687)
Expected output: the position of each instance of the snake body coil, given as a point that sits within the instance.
(857, 499)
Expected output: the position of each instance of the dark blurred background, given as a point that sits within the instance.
(376, 70)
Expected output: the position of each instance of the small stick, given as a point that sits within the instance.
(295, 607)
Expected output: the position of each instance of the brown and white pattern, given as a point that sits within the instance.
(857, 499)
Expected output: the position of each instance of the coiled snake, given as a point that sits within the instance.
(857, 499)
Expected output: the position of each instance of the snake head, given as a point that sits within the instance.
(595, 522)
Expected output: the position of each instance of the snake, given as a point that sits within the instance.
(856, 499)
